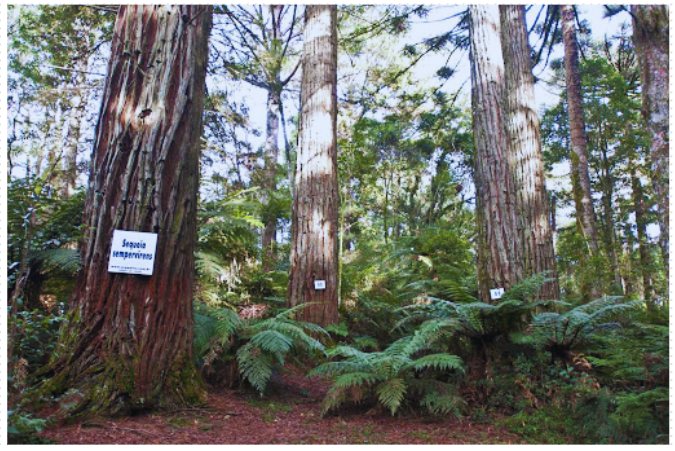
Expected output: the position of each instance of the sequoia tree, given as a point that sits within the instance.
(314, 239)
(499, 246)
(650, 37)
(524, 143)
(128, 342)
(581, 183)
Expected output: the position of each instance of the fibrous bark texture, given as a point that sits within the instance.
(499, 244)
(650, 36)
(524, 141)
(581, 184)
(314, 231)
(128, 344)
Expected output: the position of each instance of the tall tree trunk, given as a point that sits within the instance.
(641, 222)
(607, 187)
(650, 37)
(314, 231)
(499, 245)
(581, 184)
(271, 159)
(77, 107)
(629, 287)
(128, 343)
(524, 140)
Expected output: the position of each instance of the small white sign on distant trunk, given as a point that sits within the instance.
(496, 293)
(132, 252)
(319, 284)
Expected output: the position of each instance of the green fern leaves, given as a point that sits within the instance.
(386, 376)
(259, 346)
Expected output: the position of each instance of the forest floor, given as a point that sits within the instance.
(291, 414)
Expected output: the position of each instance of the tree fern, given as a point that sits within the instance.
(385, 376)
(559, 333)
(258, 346)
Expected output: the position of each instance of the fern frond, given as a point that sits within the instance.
(227, 323)
(295, 333)
(65, 260)
(329, 369)
(439, 361)
(273, 342)
(391, 393)
(358, 378)
(254, 366)
(347, 351)
(444, 403)
(288, 314)
(335, 397)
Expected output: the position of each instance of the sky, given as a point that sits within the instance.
(438, 22)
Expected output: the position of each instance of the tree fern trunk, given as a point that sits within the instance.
(128, 343)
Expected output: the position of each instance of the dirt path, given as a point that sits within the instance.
(292, 415)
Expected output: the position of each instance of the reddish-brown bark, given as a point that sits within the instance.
(524, 140)
(128, 344)
(314, 231)
(499, 244)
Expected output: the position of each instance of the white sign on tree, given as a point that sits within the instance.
(496, 293)
(319, 284)
(132, 252)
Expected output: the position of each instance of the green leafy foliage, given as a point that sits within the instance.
(257, 347)
(22, 427)
(392, 376)
(560, 333)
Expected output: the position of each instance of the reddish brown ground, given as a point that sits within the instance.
(290, 415)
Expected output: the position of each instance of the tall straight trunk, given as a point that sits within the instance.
(77, 106)
(641, 222)
(650, 37)
(627, 267)
(272, 139)
(128, 343)
(607, 184)
(270, 184)
(499, 244)
(314, 230)
(581, 184)
(524, 141)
